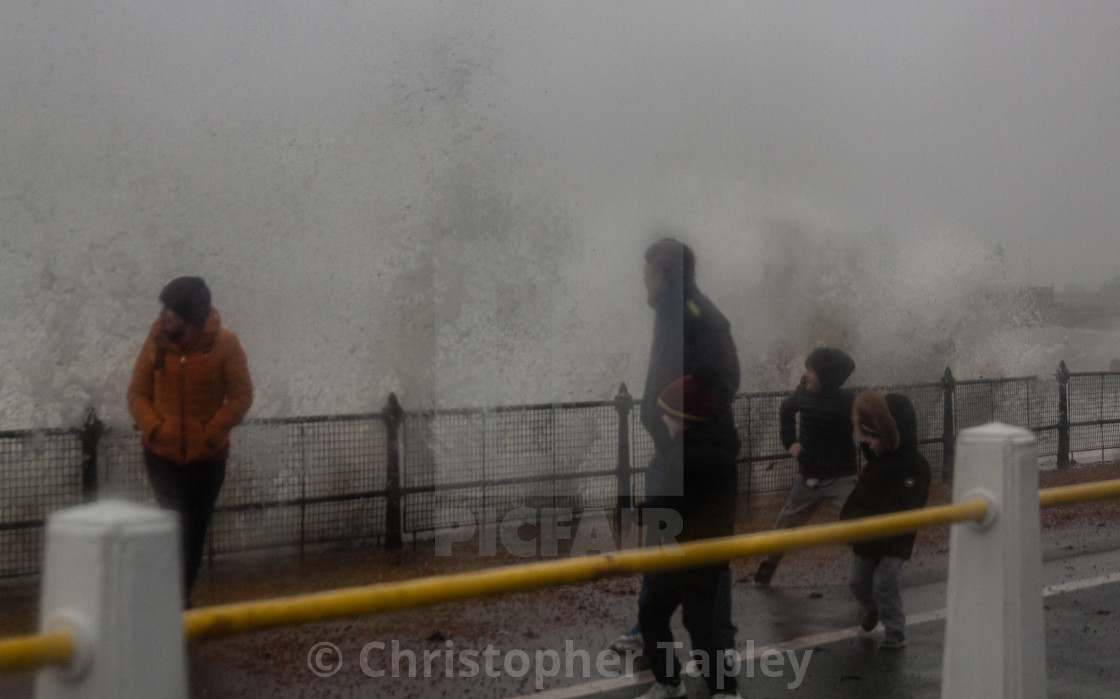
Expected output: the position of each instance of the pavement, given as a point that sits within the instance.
(1082, 613)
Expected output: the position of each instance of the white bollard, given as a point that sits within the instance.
(994, 632)
(112, 578)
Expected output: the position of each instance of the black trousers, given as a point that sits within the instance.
(191, 490)
(697, 593)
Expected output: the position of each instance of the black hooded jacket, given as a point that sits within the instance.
(825, 433)
(689, 332)
(894, 482)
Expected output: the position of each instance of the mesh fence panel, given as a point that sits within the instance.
(305, 482)
(973, 404)
(1110, 411)
(1011, 402)
(641, 451)
(769, 468)
(438, 448)
(1027, 402)
(121, 464)
(479, 465)
(1016, 401)
(588, 445)
(1044, 415)
(287, 483)
(1095, 399)
(250, 512)
(308, 480)
(40, 472)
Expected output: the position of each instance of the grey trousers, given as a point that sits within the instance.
(805, 499)
(875, 583)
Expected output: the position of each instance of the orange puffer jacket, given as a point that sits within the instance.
(185, 402)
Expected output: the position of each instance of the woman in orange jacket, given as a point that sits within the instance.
(189, 387)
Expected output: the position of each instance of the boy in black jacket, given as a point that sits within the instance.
(896, 478)
(822, 444)
(699, 485)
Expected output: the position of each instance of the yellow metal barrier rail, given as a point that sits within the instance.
(30, 652)
(1070, 494)
(223, 620)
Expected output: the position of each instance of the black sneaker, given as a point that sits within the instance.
(765, 572)
(893, 641)
(870, 620)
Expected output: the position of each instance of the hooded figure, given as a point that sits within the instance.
(894, 480)
(190, 386)
(820, 441)
(825, 433)
(832, 365)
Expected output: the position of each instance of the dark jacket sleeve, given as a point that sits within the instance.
(884, 488)
(708, 343)
(715, 349)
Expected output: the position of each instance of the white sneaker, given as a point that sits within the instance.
(725, 695)
(665, 691)
(627, 642)
(731, 663)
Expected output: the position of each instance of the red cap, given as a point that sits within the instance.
(687, 400)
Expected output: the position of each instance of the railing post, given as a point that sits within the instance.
(393, 415)
(90, 436)
(948, 426)
(112, 579)
(994, 630)
(623, 404)
(1063, 415)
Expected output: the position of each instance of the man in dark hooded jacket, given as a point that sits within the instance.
(689, 334)
(822, 443)
(896, 478)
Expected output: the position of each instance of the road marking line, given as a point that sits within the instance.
(597, 687)
(1080, 584)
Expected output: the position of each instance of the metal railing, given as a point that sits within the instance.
(295, 482)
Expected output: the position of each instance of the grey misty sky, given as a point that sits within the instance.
(997, 120)
(316, 159)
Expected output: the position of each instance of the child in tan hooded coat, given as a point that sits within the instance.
(895, 478)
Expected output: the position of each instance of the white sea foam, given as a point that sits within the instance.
(375, 220)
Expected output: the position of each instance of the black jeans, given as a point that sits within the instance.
(191, 490)
(697, 592)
